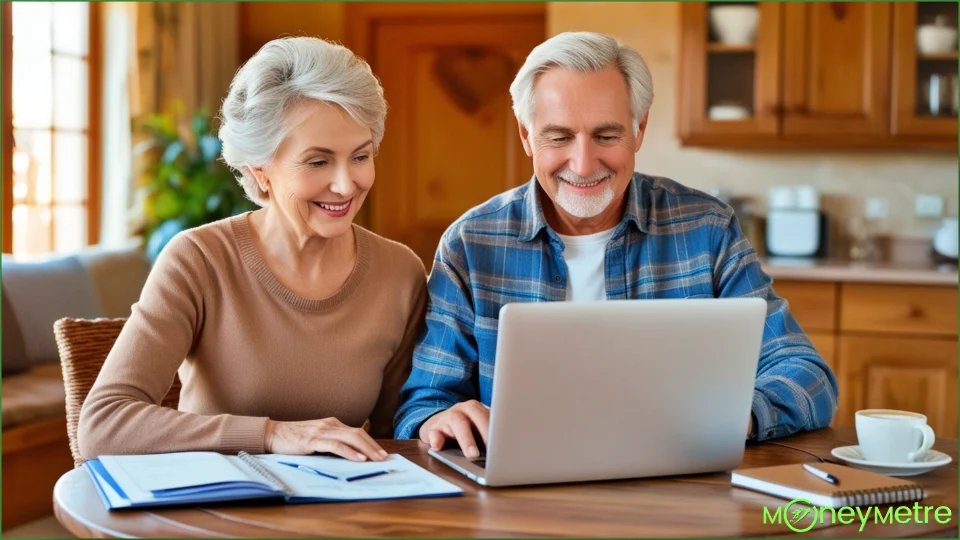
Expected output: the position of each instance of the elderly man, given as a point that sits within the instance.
(587, 227)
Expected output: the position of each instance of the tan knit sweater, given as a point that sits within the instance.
(248, 349)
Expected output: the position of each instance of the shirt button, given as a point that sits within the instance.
(557, 279)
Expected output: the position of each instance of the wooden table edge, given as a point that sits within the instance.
(82, 527)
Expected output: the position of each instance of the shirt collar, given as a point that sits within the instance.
(532, 220)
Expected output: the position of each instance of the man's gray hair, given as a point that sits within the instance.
(282, 72)
(586, 52)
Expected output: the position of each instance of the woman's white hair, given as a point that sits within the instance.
(586, 52)
(282, 72)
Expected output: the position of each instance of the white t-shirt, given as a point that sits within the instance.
(584, 257)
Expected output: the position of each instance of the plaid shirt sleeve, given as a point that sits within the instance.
(795, 389)
(445, 361)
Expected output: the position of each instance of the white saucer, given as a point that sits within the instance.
(931, 460)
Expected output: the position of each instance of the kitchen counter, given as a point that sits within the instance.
(785, 268)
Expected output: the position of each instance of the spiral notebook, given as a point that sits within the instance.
(856, 487)
(204, 477)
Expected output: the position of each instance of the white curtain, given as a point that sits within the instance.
(156, 55)
(119, 52)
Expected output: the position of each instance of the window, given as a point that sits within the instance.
(52, 169)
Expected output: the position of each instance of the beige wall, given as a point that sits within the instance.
(844, 178)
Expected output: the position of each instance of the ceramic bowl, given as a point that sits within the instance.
(734, 25)
(935, 38)
(727, 112)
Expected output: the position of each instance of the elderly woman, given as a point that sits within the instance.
(289, 326)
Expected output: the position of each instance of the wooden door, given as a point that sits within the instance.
(836, 70)
(912, 374)
(713, 73)
(912, 71)
(451, 138)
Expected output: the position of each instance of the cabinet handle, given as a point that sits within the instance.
(915, 312)
(839, 10)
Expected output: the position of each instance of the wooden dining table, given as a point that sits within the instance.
(688, 505)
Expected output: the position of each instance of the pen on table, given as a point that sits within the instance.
(369, 475)
(305, 468)
(821, 474)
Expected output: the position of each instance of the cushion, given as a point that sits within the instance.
(41, 292)
(118, 275)
(35, 395)
(14, 354)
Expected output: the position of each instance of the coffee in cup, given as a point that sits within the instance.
(891, 436)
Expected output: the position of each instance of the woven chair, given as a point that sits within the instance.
(84, 345)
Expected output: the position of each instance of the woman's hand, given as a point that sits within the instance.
(327, 435)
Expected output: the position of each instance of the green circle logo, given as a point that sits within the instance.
(792, 517)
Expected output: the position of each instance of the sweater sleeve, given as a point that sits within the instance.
(122, 413)
(398, 368)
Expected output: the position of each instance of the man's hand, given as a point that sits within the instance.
(326, 435)
(750, 426)
(457, 423)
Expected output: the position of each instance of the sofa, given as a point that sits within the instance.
(96, 282)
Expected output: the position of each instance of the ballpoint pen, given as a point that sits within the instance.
(821, 474)
(370, 475)
(311, 470)
(306, 468)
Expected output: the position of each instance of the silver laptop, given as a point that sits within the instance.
(618, 389)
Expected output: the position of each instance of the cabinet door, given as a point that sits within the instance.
(812, 303)
(714, 73)
(452, 139)
(899, 309)
(918, 375)
(836, 70)
(922, 81)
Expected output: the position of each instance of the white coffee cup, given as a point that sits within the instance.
(891, 436)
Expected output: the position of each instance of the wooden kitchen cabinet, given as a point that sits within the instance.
(812, 303)
(818, 75)
(890, 346)
(717, 74)
(899, 309)
(919, 375)
(913, 71)
(836, 70)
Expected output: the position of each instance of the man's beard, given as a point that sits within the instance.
(578, 204)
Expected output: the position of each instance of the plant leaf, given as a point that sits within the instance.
(209, 148)
(172, 152)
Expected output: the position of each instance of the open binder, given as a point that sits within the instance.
(203, 477)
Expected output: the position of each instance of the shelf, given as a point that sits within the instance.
(941, 117)
(938, 56)
(722, 48)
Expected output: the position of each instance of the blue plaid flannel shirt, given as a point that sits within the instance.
(673, 242)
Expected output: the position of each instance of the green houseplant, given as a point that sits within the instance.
(185, 183)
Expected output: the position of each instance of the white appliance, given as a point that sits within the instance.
(946, 239)
(795, 225)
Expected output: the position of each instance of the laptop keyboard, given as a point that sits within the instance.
(481, 460)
